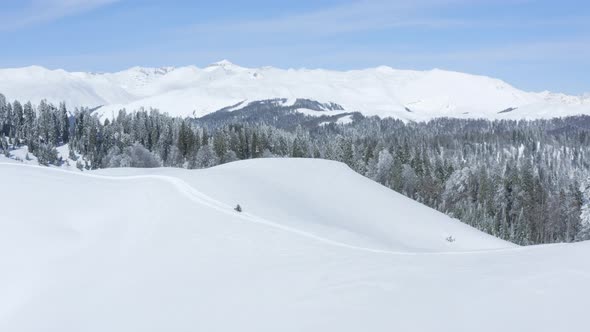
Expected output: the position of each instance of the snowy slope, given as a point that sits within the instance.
(162, 250)
(21, 156)
(384, 91)
(36, 83)
(266, 188)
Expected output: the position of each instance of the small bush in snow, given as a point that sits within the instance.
(47, 155)
(132, 156)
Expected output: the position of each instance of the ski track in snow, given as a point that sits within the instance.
(201, 198)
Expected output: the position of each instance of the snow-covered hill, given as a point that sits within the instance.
(383, 91)
(316, 248)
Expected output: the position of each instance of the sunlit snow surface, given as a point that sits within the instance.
(316, 248)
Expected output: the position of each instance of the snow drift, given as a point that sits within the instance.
(316, 248)
(383, 91)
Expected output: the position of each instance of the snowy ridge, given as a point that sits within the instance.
(185, 189)
(163, 249)
(383, 91)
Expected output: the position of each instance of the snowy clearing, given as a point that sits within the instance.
(316, 248)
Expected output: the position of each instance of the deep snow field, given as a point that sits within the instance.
(316, 248)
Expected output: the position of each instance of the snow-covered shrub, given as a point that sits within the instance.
(47, 155)
(206, 157)
(132, 156)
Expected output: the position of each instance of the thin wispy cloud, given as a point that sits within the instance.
(36, 12)
(373, 15)
(351, 17)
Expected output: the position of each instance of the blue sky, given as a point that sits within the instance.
(534, 45)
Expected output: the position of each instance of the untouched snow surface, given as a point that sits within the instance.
(383, 91)
(316, 248)
(22, 156)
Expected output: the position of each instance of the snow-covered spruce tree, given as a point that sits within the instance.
(18, 121)
(205, 158)
(384, 167)
(30, 129)
(584, 233)
(47, 124)
(4, 117)
(4, 147)
(47, 155)
(64, 123)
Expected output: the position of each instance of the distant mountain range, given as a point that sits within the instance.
(382, 91)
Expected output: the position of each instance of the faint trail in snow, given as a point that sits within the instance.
(201, 198)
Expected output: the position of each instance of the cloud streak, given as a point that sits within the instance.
(358, 16)
(36, 12)
(368, 16)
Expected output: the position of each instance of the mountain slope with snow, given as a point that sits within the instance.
(383, 91)
(316, 248)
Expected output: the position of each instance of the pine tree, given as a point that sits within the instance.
(64, 123)
(18, 120)
(584, 232)
(3, 116)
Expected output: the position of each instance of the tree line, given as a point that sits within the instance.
(523, 181)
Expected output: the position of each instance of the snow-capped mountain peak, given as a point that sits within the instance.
(382, 91)
(224, 64)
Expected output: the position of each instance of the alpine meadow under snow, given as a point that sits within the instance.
(382, 91)
(315, 248)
